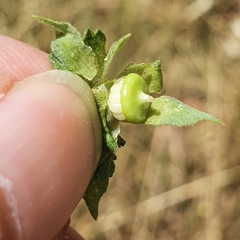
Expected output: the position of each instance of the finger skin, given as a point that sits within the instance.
(19, 60)
(73, 235)
(48, 153)
(69, 234)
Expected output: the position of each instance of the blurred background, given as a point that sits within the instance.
(170, 183)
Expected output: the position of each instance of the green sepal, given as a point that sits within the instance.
(101, 94)
(114, 48)
(150, 72)
(96, 40)
(166, 110)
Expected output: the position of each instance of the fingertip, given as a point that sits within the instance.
(19, 60)
(84, 93)
(49, 152)
(6, 83)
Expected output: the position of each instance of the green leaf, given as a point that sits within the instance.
(96, 40)
(60, 28)
(150, 72)
(169, 111)
(70, 53)
(106, 167)
(111, 142)
(100, 180)
(115, 47)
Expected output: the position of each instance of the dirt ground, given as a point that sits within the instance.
(170, 183)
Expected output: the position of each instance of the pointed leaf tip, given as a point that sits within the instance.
(169, 111)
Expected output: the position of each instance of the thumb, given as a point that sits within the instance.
(50, 144)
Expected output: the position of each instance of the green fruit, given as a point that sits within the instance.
(129, 99)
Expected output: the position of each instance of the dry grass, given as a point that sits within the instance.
(170, 183)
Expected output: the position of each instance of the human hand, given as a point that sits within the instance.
(50, 146)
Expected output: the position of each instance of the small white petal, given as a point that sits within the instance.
(114, 97)
(119, 116)
(115, 107)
